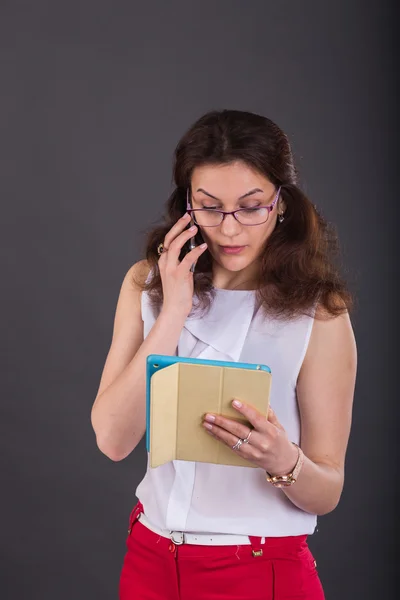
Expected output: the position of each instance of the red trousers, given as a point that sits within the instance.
(156, 569)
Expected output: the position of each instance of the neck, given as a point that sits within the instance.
(231, 280)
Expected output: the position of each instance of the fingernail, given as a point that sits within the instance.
(237, 404)
(192, 228)
(185, 216)
(210, 418)
(203, 246)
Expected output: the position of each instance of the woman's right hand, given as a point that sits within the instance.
(176, 277)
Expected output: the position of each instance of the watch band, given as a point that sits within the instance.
(290, 478)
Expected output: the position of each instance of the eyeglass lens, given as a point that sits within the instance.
(212, 218)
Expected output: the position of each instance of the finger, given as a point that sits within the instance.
(234, 427)
(237, 430)
(179, 226)
(192, 257)
(175, 247)
(248, 451)
(225, 436)
(257, 419)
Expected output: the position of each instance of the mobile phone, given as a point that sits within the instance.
(192, 245)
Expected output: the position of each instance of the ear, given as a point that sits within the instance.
(281, 206)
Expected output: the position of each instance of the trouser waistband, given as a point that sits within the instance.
(201, 539)
(208, 539)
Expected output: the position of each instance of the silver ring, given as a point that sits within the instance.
(246, 440)
(238, 444)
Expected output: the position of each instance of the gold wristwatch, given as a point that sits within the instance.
(289, 479)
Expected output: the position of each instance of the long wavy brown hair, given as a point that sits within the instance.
(298, 265)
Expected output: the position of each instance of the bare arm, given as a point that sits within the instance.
(325, 392)
(119, 410)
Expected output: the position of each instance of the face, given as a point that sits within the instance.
(234, 247)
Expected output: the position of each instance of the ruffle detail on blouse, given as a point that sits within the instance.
(221, 333)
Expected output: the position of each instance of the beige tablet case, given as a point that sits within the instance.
(182, 393)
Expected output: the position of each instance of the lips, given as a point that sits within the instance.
(232, 249)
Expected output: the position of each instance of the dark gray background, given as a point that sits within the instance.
(95, 96)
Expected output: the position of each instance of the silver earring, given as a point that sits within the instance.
(281, 218)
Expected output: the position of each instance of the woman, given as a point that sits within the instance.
(264, 290)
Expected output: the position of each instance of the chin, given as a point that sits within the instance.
(234, 263)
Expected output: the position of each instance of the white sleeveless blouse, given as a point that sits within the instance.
(202, 497)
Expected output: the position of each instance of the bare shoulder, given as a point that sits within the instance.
(331, 336)
(325, 389)
(331, 355)
(137, 275)
(127, 333)
(128, 309)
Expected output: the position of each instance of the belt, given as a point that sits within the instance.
(200, 539)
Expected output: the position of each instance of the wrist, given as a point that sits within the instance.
(287, 461)
(288, 479)
(172, 316)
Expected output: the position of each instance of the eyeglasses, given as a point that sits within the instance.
(211, 217)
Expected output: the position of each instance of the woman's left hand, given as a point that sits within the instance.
(269, 447)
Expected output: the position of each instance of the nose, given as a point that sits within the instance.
(230, 226)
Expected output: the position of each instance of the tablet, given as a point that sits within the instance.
(179, 390)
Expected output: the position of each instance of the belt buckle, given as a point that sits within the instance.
(180, 541)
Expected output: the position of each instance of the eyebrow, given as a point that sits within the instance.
(250, 193)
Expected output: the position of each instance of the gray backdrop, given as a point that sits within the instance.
(95, 96)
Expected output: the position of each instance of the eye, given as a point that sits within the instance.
(252, 210)
(209, 207)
